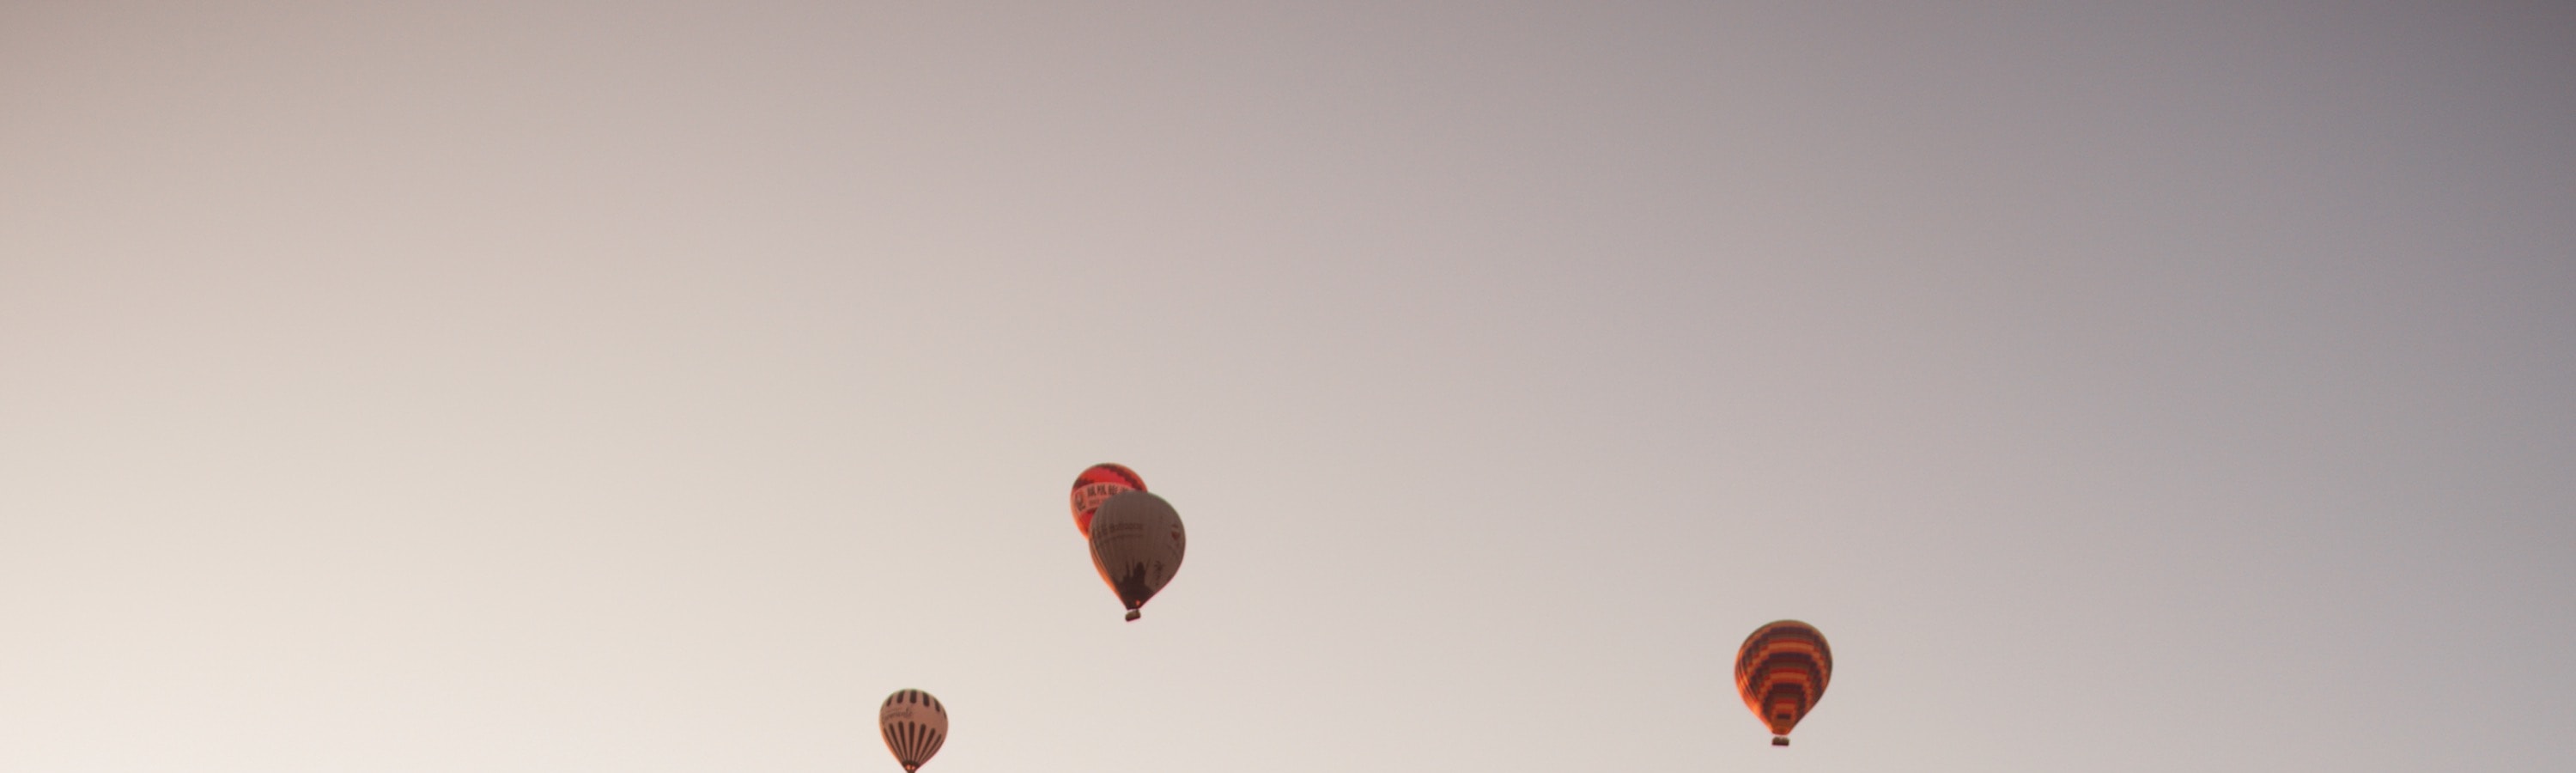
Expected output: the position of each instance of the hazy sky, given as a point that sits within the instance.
(655, 386)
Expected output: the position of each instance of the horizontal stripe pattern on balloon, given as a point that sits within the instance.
(1781, 671)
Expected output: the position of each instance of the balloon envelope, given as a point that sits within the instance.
(1781, 671)
(914, 725)
(1097, 485)
(1136, 543)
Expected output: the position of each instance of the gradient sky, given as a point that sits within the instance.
(655, 386)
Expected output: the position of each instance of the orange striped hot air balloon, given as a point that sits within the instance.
(1097, 485)
(1781, 671)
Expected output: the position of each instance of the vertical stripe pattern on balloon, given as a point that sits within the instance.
(914, 725)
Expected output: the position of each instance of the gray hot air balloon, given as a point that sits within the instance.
(914, 725)
(1136, 543)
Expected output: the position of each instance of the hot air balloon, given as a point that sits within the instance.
(914, 725)
(1097, 485)
(1781, 671)
(1136, 543)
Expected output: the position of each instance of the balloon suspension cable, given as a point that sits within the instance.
(1779, 740)
(1133, 614)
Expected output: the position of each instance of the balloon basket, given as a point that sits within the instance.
(1133, 614)
(1779, 740)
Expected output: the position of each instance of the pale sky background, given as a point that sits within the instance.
(522, 386)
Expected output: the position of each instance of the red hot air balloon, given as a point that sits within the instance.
(1097, 485)
(1781, 671)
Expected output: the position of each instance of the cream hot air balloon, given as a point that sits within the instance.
(1136, 543)
(914, 725)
